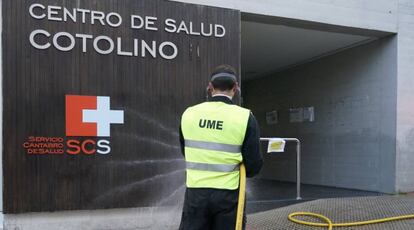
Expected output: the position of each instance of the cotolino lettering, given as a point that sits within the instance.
(166, 49)
(210, 124)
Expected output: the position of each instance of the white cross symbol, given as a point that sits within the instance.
(103, 116)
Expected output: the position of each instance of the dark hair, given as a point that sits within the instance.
(224, 83)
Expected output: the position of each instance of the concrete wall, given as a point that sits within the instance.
(405, 104)
(352, 142)
(378, 15)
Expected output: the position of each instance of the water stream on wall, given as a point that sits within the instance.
(161, 173)
(154, 122)
(167, 204)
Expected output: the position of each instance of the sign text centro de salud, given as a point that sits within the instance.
(103, 44)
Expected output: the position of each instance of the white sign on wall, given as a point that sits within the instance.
(296, 115)
(299, 115)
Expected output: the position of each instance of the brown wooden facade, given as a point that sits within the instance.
(145, 166)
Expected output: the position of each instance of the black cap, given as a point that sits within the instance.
(223, 76)
(224, 73)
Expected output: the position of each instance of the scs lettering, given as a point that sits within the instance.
(87, 147)
(90, 116)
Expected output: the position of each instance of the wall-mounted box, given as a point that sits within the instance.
(309, 114)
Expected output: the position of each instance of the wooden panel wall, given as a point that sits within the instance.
(145, 166)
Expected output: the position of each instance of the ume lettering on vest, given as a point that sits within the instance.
(211, 124)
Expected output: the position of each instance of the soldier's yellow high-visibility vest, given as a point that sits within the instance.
(214, 134)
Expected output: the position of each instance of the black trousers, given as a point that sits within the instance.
(210, 209)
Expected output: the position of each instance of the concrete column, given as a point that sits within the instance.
(405, 98)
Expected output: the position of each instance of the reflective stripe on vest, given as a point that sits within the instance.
(213, 167)
(214, 133)
(213, 146)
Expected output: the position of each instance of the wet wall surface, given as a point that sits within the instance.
(144, 167)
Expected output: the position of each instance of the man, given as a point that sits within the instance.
(216, 137)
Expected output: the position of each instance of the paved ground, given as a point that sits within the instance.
(340, 210)
(264, 195)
